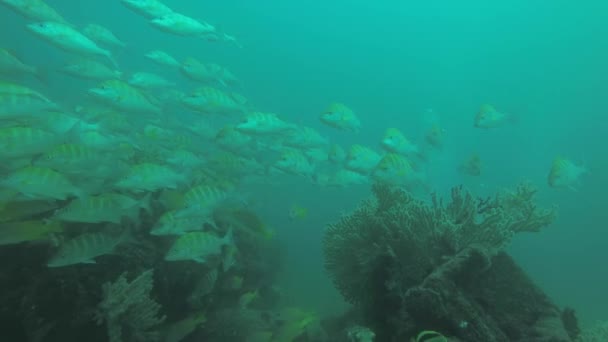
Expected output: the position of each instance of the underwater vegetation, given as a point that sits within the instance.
(408, 266)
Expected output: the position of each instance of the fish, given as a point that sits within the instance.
(198, 71)
(91, 70)
(395, 141)
(361, 159)
(28, 231)
(338, 115)
(430, 336)
(232, 140)
(147, 8)
(84, 248)
(123, 96)
(162, 58)
(204, 286)
(564, 173)
(10, 64)
(258, 123)
(247, 298)
(305, 137)
(37, 10)
(212, 100)
(489, 117)
(23, 141)
(336, 154)
(296, 163)
(108, 207)
(472, 166)
(149, 177)
(146, 80)
(69, 39)
(396, 169)
(198, 246)
(7, 88)
(70, 158)
(41, 183)
(182, 25)
(103, 36)
(202, 201)
(19, 107)
(23, 210)
(435, 136)
(297, 212)
(343, 178)
(180, 330)
(170, 224)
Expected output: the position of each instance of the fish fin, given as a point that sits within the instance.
(199, 259)
(108, 54)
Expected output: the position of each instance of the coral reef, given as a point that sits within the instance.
(597, 333)
(128, 307)
(409, 265)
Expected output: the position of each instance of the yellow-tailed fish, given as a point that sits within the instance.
(13, 211)
(84, 248)
(182, 25)
(69, 39)
(395, 141)
(26, 141)
(178, 331)
(472, 166)
(28, 231)
(298, 212)
(37, 10)
(149, 177)
(565, 174)
(344, 178)
(125, 97)
(296, 163)
(362, 159)
(146, 80)
(430, 336)
(71, 158)
(337, 115)
(202, 200)
(258, 123)
(305, 137)
(395, 169)
(147, 8)
(212, 101)
(108, 207)
(197, 246)
(162, 58)
(41, 183)
(170, 224)
(232, 140)
(489, 117)
(91, 70)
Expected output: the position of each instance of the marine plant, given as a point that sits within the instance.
(128, 310)
(393, 242)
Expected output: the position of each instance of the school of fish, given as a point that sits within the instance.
(140, 142)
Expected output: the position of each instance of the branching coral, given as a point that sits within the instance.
(396, 240)
(598, 333)
(127, 309)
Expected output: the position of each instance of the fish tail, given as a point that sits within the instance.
(108, 54)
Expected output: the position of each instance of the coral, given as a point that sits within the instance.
(416, 236)
(127, 309)
(598, 333)
(403, 261)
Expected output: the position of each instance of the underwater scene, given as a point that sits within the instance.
(316, 171)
